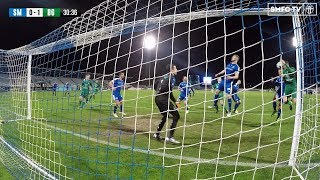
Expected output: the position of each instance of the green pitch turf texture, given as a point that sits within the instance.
(4, 173)
(92, 144)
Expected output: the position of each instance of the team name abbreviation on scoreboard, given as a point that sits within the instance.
(43, 12)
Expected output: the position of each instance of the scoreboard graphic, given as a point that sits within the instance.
(43, 12)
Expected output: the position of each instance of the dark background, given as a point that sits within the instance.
(208, 44)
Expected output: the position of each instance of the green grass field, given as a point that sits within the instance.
(4, 173)
(91, 144)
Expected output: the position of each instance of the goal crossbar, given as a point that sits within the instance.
(138, 26)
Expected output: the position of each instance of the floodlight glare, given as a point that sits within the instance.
(294, 42)
(149, 42)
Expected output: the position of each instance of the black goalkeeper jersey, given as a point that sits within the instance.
(164, 87)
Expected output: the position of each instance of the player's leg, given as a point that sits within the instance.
(229, 96)
(221, 101)
(116, 105)
(237, 101)
(216, 96)
(279, 110)
(94, 96)
(228, 91)
(82, 99)
(281, 101)
(178, 101)
(89, 97)
(289, 90)
(162, 105)
(285, 98)
(290, 103)
(120, 105)
(186, 105)
(175, 117)
(293, 97)
(274, 102)
(161, 124)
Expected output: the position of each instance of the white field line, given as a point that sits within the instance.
(172, 156)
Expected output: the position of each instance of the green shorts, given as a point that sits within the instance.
(290, 90)
(84, 94)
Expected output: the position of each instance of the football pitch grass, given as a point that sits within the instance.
(4, 173)
(92, 144)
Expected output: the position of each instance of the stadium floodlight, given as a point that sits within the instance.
(149, 42)
(294, 42)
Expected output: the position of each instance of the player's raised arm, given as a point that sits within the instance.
(220, 73)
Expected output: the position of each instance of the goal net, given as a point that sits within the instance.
(60, 113)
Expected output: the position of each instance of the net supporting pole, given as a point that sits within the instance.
(298, 114)
(29, 110)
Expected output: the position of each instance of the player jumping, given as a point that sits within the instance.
(85, 90)
(184, 88)
(230, 73)
(163, 89)
(289, 76)
(116, 85)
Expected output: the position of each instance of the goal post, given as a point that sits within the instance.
(29, 105)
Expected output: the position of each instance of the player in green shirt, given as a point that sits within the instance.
(214, 87)
(85, 91)
(95, 89)
(289, 76)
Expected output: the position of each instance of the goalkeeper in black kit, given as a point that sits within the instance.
(164, 87)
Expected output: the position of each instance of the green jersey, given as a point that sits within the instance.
(215, 86)
(96, 87)
(289, 75)
(85, 87)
